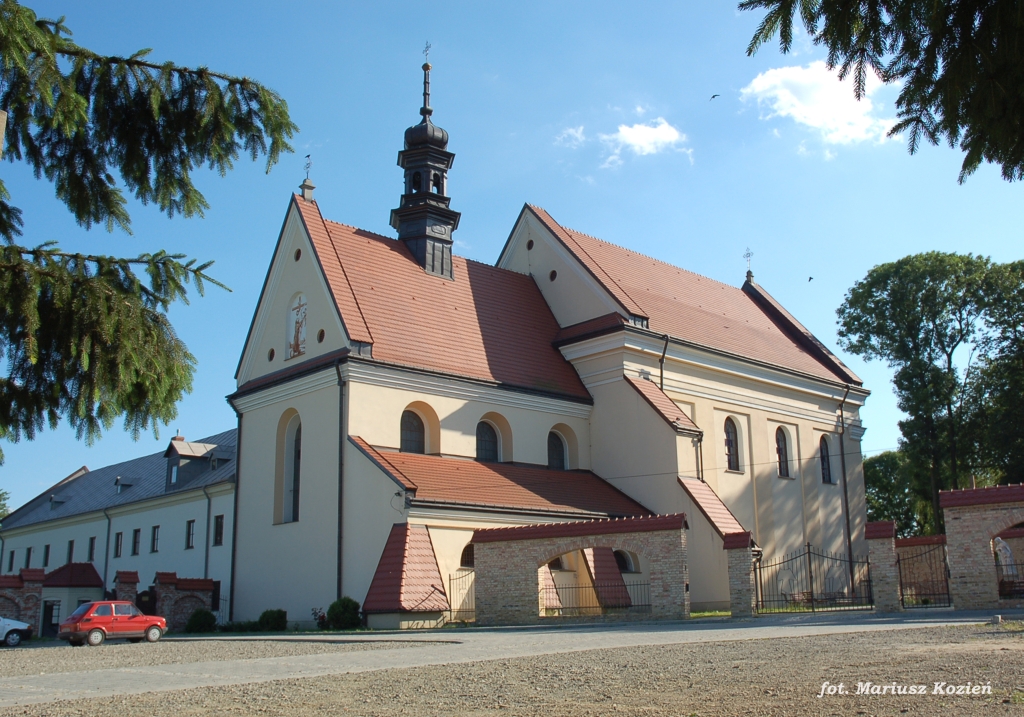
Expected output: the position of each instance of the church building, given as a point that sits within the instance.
(393, 398)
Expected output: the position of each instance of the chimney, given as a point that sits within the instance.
(307, 188)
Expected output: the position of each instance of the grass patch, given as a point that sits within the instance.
(710, 613)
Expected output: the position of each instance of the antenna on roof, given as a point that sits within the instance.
(747, 255)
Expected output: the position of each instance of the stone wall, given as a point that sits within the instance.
(126, 585)
(507, 585)
(742, 593)
(969, 531)
(885, 577)
(177, 598)
(21, 597)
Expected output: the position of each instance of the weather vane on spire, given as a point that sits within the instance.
(309, 164)
(426, 52)
(747, 255)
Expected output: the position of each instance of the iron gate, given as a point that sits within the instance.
(813, 580)
(924, 578)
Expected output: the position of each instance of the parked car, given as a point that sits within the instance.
(12, 632)
(94, 622)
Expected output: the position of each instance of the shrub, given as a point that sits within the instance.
(320, 618)
(202, 620)
(273, 621)
(343, 614)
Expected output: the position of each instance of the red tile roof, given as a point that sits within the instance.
(663, 405)
(11, 581)
(588, 329)
(880, 529)
(731, 541)
(194, 584)
(982, 496)
(165, 578)
(74, 575)
(604, 572)
(613, 526)
(126, 577)
(407, 578)
(708, 502)
(32, 575)
(697, 309)
(460, 481)
(922, 540)
(488, 324)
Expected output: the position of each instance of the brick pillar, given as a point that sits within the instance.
(126, 583)
(742, 595)
(973, 584)
(885, 576)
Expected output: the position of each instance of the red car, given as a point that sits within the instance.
(94, 622)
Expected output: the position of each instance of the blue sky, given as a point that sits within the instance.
(600, 112)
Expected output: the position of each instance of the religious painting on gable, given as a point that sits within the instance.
(297, 327)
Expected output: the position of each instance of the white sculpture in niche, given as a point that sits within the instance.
(297, 327)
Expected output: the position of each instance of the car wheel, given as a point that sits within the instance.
(13, 638)
(153, 634)
(96, 638)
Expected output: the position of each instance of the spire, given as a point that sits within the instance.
(424, 220)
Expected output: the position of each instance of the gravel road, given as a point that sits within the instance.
(756, 677)
(51, 658)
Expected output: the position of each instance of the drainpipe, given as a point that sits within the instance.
(206, 558)
(846, 494)
(341, 473)
(2, 543)
(106, 551)
(234, 514)
(661, 363)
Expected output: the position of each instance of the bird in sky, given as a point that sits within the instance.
(811, 278)
(713, 97)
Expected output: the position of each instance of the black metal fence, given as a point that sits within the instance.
(1011, 580)
(924, 578)
(462, 597)
(813, 580)
(599, 598)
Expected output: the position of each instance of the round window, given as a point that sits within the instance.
(553, 275)
(270, 355)
(320, 335)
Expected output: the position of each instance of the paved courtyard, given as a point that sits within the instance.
(767, 666)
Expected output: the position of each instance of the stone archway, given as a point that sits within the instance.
(9, 608)
(973, 519)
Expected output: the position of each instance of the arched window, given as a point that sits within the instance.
(782, 452)
(624, 561)
(732, 445)
(826, 464)
(486, 442)
(296, 327)
(413, 439)
(292, 471)
(417, 182)
(436, 184)
(556, 452)
(467, 557)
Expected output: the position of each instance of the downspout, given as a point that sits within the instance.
(661, 363)
(341, 473)
(2, 543)
(106, 551)
(206, 558)
(842, 464)
(234, 514)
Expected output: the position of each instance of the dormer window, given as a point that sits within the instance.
(174, 474)
(120, 484)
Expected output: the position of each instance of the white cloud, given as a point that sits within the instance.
(814, 97)
(642, 139)
(640, 110)
(571, 137)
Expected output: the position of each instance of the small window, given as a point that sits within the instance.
(122, 610)
(486, 442)
(782, 452)
(826, 463)
(190, 535)
(218, 530)
(46, 556)
(732, 446)
(92, 549)
(557, 564)
(118, 544)
(71, 551)
(215, 597)
(28, 557)
(174, 474)
(136, 540)
(417, 182)
(103, 610)
(10, 561)
(83, 607)
(556, 452)
(154, 539)
(624, 561)
(467, 557)
(435, 184)
(413, 433)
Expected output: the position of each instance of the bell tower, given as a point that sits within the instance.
(424, 220)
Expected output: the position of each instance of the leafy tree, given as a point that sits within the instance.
(86, 337)
(919, 314)
(890, 493)
(959, 64)
(4, 509)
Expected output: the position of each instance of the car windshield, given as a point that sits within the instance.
(82, 609)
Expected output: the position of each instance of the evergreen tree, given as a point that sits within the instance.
(959, 65)
(890, 493)
(86, 337)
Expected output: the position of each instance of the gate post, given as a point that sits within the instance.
(885, 578)
(742, 595)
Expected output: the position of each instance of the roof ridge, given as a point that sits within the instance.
(348, 282)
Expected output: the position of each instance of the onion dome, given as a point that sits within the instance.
(426, 133)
